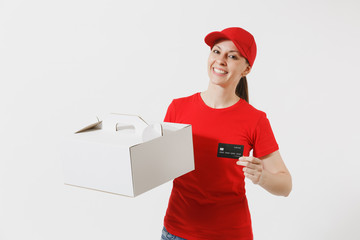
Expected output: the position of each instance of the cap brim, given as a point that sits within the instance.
(212, 37)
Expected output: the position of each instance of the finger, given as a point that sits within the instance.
(257, 167)
(255, 160)
(250, 159)
(253, 178)
(242, 163)
(250, 171)
(244, 158)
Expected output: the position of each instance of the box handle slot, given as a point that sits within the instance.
(121, 126)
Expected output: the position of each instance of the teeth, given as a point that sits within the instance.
(219, 71)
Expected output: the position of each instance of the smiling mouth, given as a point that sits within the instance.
(216, 70)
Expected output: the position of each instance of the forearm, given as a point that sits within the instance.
(276, 183)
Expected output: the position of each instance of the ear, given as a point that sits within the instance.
(246, 71)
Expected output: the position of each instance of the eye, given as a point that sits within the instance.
(215, 51)
(233, 57)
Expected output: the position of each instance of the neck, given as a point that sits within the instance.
(219, 97)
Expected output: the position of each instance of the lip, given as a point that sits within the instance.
(219, 74)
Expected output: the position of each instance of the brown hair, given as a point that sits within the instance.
(242, 88)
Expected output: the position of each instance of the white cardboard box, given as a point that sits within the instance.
(124, 155)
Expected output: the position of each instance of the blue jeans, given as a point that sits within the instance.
(168, 236)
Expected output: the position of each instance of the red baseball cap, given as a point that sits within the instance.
(242, 39)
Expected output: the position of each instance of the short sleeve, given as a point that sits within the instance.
(170, 113)
(264, 141)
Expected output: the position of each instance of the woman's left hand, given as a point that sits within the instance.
(253, 168)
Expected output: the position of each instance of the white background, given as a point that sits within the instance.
(63, 61)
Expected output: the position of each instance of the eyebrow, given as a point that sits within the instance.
(229, 51)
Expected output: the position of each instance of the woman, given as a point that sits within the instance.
(209, 202)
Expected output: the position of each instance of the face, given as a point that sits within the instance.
(226, 66)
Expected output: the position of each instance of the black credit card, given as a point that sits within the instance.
(230, 150)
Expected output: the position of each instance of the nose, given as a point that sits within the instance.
(221, 59)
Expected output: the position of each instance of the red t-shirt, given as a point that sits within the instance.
(209, 202)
